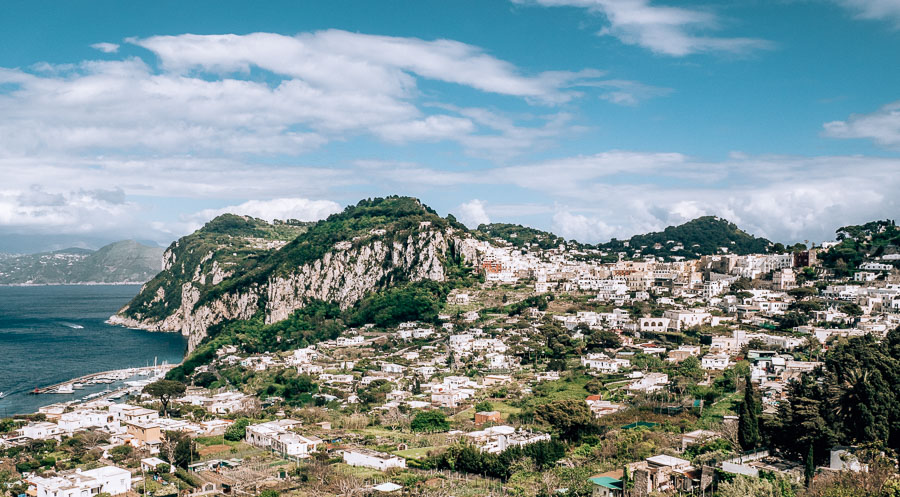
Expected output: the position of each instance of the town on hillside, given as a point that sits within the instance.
(551, 369)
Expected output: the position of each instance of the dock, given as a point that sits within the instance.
(93, 377)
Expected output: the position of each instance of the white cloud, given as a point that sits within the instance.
(881, 126)
(301, 209)
(580, 227)
(439, 127)
(353, 61)
(199, 97)
(888, 10)
(472, 213)
(37, 210)
(621, 193)
(661, 29)
(106, 47)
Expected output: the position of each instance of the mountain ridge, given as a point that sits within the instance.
(376, 244)
(125, 261)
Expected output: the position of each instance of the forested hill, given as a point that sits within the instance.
(859, 242)
(520, 236)
(121, 262)
(705, 235)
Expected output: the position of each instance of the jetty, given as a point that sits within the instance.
(101, 377)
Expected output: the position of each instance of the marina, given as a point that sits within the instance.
(133, 378)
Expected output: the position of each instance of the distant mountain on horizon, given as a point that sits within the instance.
(38, 243)
(125, 261)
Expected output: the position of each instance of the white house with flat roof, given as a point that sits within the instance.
(108, 479)
(368, 458)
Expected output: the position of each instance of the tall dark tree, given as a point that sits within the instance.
(748, 422)
(810, 470)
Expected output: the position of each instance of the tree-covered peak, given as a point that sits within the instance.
(704, 235)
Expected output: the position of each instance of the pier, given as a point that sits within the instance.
(92, 378)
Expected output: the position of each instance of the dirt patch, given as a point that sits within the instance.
(213, 449)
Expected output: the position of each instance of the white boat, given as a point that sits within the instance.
(67, 388)
(2, 395)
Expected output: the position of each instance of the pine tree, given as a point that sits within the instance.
(748, 422)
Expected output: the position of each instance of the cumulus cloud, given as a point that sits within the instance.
(881, 126)
(664, 30)
(472, 213)
(106, 47)
(39, 210)
(887, 10)
(198, 97)
(301, 209)
(580, 227)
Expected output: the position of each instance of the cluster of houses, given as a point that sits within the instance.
(431, 365)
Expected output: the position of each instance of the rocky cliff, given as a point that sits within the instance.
(342, 259)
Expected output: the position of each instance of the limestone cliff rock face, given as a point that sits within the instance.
(345, 274)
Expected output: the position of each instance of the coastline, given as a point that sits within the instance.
(123, 378)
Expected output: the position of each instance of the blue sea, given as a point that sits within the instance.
(51, 334)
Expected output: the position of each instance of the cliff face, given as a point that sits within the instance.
(277, 285)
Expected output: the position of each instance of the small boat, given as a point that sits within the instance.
(2, 395)
(67, 388)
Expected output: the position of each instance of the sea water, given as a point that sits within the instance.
(51, 334)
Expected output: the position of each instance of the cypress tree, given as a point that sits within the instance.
(810, 467)
(748, 422)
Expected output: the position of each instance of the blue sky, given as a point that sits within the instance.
(590, 118)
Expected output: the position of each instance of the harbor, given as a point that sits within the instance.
(133, 378)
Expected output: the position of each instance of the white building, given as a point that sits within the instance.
(496, 439)
(603, 363)
(278, 437)
(717, 362)
(367, 458)
(41, 431)
(108, 479)
(651, 382)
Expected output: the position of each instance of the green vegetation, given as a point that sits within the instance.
(748, 422)
(237, 431)
(165, 391)
(859, 242)
(701, 236)
(856, 404)
(519, 235)
(430, 421)
(469, 459)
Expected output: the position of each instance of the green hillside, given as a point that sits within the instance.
(705, 235)
(520, 236)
